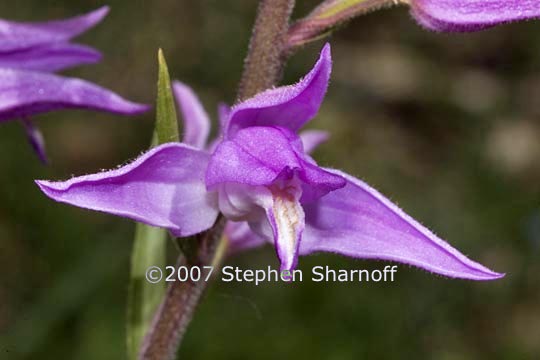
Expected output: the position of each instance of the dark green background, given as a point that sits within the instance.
(445, 125)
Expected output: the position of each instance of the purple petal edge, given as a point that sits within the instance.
(24, 93)
(472, 15)
(164, 187)
(23, 35)
(358, 221)
(287, 106)
(51, 58)
(196, 121)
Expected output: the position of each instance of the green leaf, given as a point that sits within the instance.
(150, 243)
(166, 121)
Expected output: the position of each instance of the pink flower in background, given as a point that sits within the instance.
(30, 53)
(472, 15)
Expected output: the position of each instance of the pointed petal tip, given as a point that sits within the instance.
(84, 22)
(99, 14)
(325, 60)
(496, 276)
(105, 9)
(327, 51)
(375, 228)
(488, 275)
(286, 106)
(480, 273)
(160, 188)
(49, 188)
(93, 56)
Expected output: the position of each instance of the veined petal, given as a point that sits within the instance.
(284, 223)
(164, 188)
(287, 220)
(16, 36)
(287, 106)
(196, 121)
(241, 237)
(311, 139)
(472, 15)
(258, 156)
(358, 221)
(50, 58)
(24, 93)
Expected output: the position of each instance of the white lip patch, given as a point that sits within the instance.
(287, 219)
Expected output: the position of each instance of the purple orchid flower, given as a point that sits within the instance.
(259, 175)
(472, 15)
(30, 53)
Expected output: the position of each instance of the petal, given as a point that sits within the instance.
(241, 237)
(24, 93)
(288, 106)
(196, 121)
(16, 36)
(35, 138)
(311, 139)
(472, 15)
(258, 156)
(163, 188)
(358, 221)
(50, 58)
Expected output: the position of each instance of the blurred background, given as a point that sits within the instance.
(448, 126)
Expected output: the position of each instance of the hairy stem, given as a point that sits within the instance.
(265, 59)
(262, 69)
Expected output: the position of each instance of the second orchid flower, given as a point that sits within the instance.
(30, 53)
